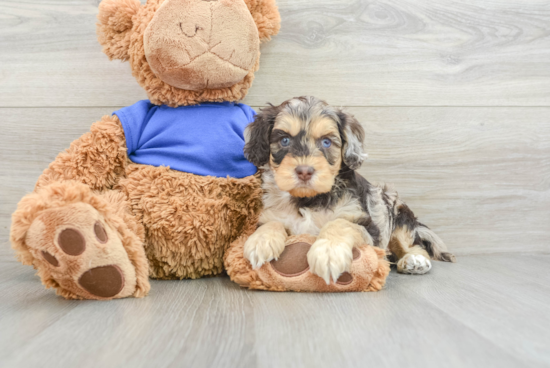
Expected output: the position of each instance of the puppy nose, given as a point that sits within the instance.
(304, 172)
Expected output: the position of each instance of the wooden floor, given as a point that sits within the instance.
(485, 311)
(455, 100)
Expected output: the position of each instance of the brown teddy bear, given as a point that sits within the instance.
(161, 188)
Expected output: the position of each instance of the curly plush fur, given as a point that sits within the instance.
(189, 220)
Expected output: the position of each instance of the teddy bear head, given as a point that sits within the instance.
(184, 52)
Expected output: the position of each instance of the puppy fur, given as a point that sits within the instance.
(334, 203)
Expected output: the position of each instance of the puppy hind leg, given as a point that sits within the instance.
(411, 259)
(433, 244)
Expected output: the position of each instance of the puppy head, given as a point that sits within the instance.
(306, 143)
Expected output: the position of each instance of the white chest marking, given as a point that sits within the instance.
(311, 221)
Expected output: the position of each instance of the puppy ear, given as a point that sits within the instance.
(114, 26)
(266, 16)
(353, 136)
(256, 135)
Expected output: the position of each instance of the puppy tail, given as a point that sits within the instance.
(433, 244)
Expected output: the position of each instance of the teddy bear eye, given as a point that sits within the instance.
(326, 143)
(285, 141)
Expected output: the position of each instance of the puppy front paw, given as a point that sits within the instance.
(329, 260)
(262, 247)
(415, 264)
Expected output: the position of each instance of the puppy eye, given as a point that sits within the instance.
(326, 143)
(285, 141)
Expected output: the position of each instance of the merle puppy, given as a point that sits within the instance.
(309, 152)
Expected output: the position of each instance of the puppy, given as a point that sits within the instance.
(308, 152)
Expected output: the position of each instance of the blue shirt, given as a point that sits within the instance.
(205, 139)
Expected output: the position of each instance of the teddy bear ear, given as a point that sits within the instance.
(267, 17)
(114, 26)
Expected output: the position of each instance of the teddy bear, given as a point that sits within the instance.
(159, 189)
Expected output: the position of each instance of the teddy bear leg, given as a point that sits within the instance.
(84, 244)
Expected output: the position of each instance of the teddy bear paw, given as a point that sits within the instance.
(76, 248)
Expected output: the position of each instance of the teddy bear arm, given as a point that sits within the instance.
(98, 158)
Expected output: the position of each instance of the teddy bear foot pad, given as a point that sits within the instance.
(84, 255)
(293, 262)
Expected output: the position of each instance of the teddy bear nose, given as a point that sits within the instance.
(304, 172)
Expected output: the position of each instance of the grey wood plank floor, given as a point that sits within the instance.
(485, 311)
